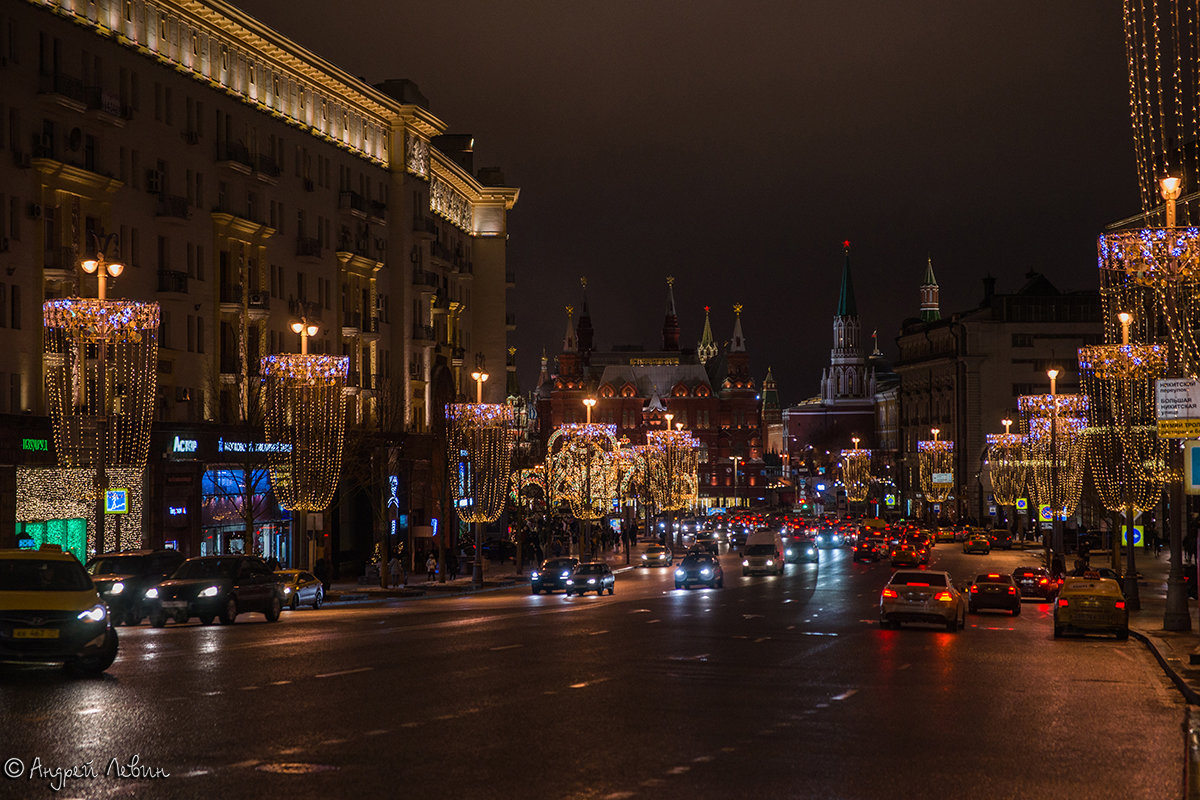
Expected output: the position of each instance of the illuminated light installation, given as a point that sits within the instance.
(581, 469)
(1054, 447)
(479, 446)
(1006, 461)
(672, 461)
(305, 409)
(65, 493)
(856, 472)
(936, 458)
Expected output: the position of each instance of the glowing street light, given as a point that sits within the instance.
(590, 402)
(306, 329)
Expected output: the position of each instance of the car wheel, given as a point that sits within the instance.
(206, 619)
(91, 666)
(1058, 631)
(132, 618)
(567, 593)
(721, 583)
(1017, 609)
(158, 619)
(1123, 634)
(273, 610)
(885, 623)
(318, 599)
(534, 590)
(611, 589)
(230, 613)
(294, 603)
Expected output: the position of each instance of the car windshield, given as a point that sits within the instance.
(559, 563)
(589, 569)
(992, 578)
(760, 549)
(38, 575)
(287, 575)
(1023, 572)
(116, 565)
(693, 561)
(207, 568)
(918, 579)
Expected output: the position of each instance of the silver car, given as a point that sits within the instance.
(927, 596)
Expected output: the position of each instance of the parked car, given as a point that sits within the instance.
(301, 587)
(51, 612)
(700, 568)
(123, 578)
(552, 574)
(212, 587)
(591, 576)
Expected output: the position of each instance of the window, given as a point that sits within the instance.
(15, 403)
(191, 333)
(164, 329)
(199, 334)
(3, 308)
(15, 317)
(1022, 340)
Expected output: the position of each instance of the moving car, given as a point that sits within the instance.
(922, 596)
(591, 576)
(763, 553)
(212, 587)
(552, 574)
(50, 612)
(301, 587)
(1001, 539)
(994, 590)
(797, 550)
(700, 568)
(656, 555)
(1091, 605)
(906, 556)
(944, 535)
(1035, 582)
(977, 543)
(870, 550)
(123, 578)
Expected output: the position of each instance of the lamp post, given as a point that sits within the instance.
(480, 377)
(1056, 530)
(735, 460)
(306, 329)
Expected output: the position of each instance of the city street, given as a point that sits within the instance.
(771, 687)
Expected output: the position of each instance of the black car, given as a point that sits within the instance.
(870, 550)
(591, 576)
(700, 568)
(1035, 582)
(1001, 539)
(552, 574)
(994, 590)
(123, 578)
(703, 546)
(799, 549)
(212, 587)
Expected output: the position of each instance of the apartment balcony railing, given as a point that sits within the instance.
(308, 247)
(170, 280)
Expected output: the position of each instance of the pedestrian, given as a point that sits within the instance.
(394, 570)
(431, 568)
(272, 563)
(452, 565)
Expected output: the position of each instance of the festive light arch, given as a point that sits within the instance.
(581, 467)
(936, 458)
(856, 474)
(479, 445)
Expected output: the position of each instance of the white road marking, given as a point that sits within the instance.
(194, 773)
(903, 666)
(816, 633)
(822, 705)
(245, 764)
(378, 732)
(761, 639)
(247, 688)
(597, 633)
(617, 796)
(290, 751)
(678, 770)
(333, 741)
(211, 694)
(278, 683)
(506, 647)
(87, 711)
(640, 611)
(846, 694)
(652, 621)
(410, 724)
(343, 672)
(751, 616)
(791, 627)
(702, 759)
(579, 685)
(651, 782)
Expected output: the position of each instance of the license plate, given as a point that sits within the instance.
(174, 605)
(35, 633)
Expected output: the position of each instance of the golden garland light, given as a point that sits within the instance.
(672, 461)
(479, 444)
(75, 330)
(305, 408)
(523, 480)
(581, 469)
(856, 473)
(50, 494)
(1056, 462)
(1006, 461)
(936, 458)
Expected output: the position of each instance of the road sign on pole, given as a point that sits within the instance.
(1022, 504)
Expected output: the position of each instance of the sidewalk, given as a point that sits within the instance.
(1173, 649)
(495, 576)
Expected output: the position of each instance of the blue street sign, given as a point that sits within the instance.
(1022, 504)
(116, 501)
(1045, 514)
(1137, 534)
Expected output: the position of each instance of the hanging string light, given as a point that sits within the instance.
(305, 409)
(671, 468)
(936, 458)
(1054, 445)
(856, 473)
(1006, 461)
(580, 467)
(479, 444)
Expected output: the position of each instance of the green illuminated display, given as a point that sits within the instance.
(69, 534)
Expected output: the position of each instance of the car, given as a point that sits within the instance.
(123, 578)
(657, 555)
(301, 587)
(905, 556)
(927, 596)
(552, 574)
(763, 553)
(51, 612)
(829, 538)
(870, 550)
(801, 549)
(737, 539)
(1001, 539)
(699, 568)
(1091, 605)
(216, 587)
(703, 547)
(708, 537)
(944, 535)
(994, 590)
(977, 543)
(1035, 582)
(591, 576)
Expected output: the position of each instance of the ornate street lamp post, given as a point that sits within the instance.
(856, 472)
(937, 467)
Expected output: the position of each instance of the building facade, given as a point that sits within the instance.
(245, 183)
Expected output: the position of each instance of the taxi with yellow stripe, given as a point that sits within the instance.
(1091, 604)
(50, 612)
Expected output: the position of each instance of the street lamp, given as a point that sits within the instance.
(101, 267)
(735, 460)
(590, 403)
(480, 377)
(306, 330)
(1170, 187)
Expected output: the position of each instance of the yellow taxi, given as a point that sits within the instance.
(50, 612)
(1091, 604)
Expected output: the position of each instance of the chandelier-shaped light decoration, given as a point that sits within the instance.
(581, 467)
(631, 468)
(1055, 447)
(936, 459)
(528, 483)
(856, 474)
(305, 427)
(1006, 460)
(76, 329)
(479, 445)
(672, 461)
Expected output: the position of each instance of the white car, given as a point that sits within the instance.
(927, 596)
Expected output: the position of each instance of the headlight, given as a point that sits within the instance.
(644, 556)
(591, 580)
(770, 563)
(211, 591)
(151, 593)
(286, 590)
(565, 575)
(533, 576)
(570, 583)
(679, 573)
(96, 613)
(808, 552)
(789, 552)
(706, 572)
(117, 588)
(745, 563)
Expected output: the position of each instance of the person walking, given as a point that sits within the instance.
(431, 568)
(394, 570)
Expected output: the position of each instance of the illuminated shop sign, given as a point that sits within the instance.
(252, 447)
(176, 511)
(39, 445)
(183, 445)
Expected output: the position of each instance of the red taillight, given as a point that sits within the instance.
(890, 593)
(1012, 590)
(1120, 604)
(993, 576)
(911, 583)
(1044, 580)
(974, 589)
(1062, 603)
(943, 596)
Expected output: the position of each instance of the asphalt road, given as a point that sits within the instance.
(775, 687)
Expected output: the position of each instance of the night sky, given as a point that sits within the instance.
(736, 145)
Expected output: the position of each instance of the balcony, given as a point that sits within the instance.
(231, 299)
(66, 90)
(350, 323)
(424, 227)
(308, 248)
(425, 281)
(355, 245)
(172, 281)
(377, 211)
(510, 321)
(267, 170)
(441, 252)
(370, 329)
(259, 305)
(106, 105)
(423, 335)
(169, 208)
(441, 304)
(60, 264)
(235, 156)
(354, 203)
(231, 368)
(250, 215)
(464, 267)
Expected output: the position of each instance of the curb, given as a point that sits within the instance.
(1189, 694)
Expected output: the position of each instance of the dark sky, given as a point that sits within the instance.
(735, 145)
